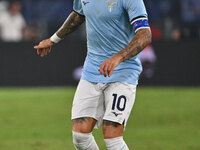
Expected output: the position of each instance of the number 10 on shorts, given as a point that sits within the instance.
(119, 102)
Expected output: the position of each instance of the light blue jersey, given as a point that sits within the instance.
(109, 30)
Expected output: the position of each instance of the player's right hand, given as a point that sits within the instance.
(44, 47)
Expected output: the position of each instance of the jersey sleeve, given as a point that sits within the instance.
(77, 7)
(137, 13)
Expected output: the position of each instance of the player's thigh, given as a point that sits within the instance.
(119, 100)
(87, 107)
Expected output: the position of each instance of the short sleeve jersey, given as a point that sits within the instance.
(109, 30)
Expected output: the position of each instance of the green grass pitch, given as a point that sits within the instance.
(39, 119)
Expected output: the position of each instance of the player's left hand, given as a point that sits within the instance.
(108, 66)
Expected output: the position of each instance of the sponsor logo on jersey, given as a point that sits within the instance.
(111, 5)
(84, 2)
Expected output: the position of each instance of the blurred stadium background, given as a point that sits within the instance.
(36, 93)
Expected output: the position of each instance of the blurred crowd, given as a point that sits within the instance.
(33, 20)
(174, 19)
(13, 26)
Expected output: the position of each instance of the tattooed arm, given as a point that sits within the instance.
(139, 42)
(73, 21)
(71, 24)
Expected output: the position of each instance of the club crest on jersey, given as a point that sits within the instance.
(111, 5)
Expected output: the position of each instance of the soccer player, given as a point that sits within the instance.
(117, 31)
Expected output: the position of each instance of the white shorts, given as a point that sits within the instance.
(104, 101)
